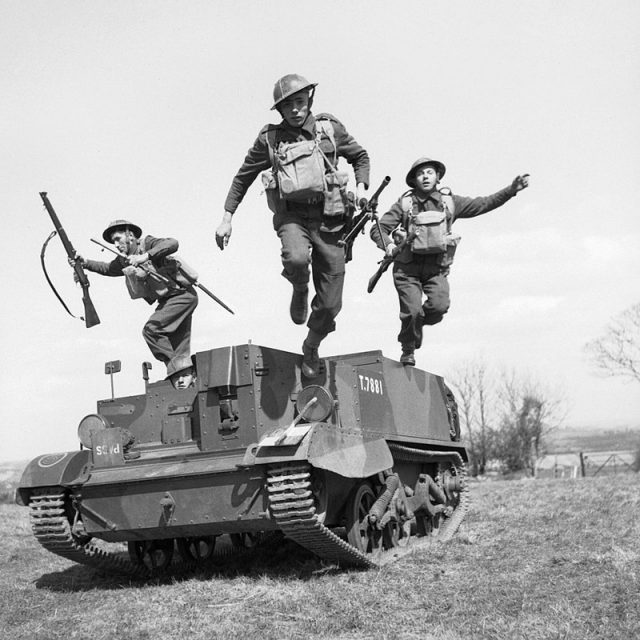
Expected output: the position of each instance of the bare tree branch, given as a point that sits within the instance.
(476, 402)
(617, 352)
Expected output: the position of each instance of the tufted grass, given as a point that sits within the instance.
(535, 559)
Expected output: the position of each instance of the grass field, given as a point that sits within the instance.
(574, 440)
(535, 559)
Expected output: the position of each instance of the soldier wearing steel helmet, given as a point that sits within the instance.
(416, 233)
(308, 225)
(152, 274)
(181, 372)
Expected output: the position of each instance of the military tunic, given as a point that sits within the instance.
(168, 330)
(415, 275)
(307, 237)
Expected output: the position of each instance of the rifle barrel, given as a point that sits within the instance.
(211, 295)
(385, 181)
(104, 246)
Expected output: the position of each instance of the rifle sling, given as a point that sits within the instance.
(46, 275)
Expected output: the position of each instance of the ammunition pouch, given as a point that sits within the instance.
(156, 287)
(275, 203)
(430, 228)
(136, 281)
(336, 202)
(334, 197)
(446, 259)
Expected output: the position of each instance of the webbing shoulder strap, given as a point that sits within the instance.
(271, 144)
(323, 125)
(406, 203)
(448, 205)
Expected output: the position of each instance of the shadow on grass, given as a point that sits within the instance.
(279, 558)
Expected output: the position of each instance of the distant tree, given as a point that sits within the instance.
(529, 414)
(475, 397)
(617, 352)
(519, 440)
(505, 417)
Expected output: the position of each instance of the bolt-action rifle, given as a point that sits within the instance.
(165, 280)
(90, 316)
(386, 262)
(368, 212)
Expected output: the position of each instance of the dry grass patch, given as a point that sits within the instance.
(534, 560)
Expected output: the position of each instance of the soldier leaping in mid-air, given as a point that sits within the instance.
(153, 273)
(417, 237)
(307, 194)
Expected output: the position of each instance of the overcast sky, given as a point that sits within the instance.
(145, 109)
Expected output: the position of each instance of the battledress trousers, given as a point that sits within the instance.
(307, 240)
(168, 330)
(412, 280)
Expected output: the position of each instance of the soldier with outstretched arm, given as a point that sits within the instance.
(419, 223)
(152, 273)
(307, 194)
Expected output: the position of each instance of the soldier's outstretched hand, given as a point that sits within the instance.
(223, 232)
(520, 182)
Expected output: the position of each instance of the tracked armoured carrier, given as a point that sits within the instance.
(355, 465)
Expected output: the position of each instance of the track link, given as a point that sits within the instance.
(292, 506)
(51, 527)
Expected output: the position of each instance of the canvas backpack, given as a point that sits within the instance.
(302, 172)
(431, 230)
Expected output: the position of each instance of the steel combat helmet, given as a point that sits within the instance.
(421, 162)
(178, 364)
(290, 84)
(121, 224)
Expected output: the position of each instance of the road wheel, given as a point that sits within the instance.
(156, 555)
(196, 549)
(360, 533)
(246, 540)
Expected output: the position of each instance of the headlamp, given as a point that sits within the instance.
(321, 409)
(88, 426)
